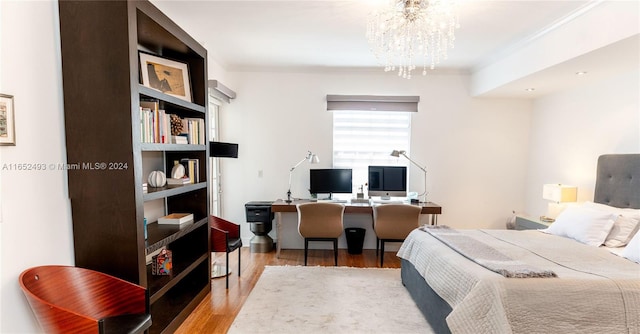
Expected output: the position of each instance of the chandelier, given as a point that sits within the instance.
(410, 31)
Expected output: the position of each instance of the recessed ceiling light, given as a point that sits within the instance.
(581, 73)
(530, 89)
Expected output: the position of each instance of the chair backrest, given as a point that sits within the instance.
(68, 299)
(395, 221)
(320, 220)
(218, 238)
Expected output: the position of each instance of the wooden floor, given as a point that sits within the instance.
(217, 311)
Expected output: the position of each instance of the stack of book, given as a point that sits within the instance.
(155, 126)
(179, 139)
(192, 169)
(179, 182)
(195, 130)
(155, 123)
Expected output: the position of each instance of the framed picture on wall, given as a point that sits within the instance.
(168, 76)
(7, 121)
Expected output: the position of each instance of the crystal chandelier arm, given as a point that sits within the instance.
(407, 31)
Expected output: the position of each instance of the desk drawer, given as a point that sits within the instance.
(260, 214)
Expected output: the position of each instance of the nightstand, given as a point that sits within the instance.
(530, 223)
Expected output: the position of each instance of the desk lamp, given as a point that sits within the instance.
(397, 154)
(312, 158)
(557, 194)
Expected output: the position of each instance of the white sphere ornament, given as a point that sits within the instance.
(177, 172)
(157, 179)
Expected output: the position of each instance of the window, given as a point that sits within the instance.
(215, 204)
(362, 138)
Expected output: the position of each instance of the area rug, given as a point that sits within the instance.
(296, 299)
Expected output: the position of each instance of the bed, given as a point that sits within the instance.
(593, 291)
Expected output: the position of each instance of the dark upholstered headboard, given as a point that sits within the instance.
(618, 180)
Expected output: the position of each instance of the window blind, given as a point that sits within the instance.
(373, 103)
(363, 138)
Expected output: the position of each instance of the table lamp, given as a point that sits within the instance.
(397, 154)
(557, 194)
(312, 158)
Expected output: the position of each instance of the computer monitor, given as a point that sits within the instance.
(330, 181)
(388, 181)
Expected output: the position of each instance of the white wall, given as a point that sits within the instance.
(571, 129)
(475, 150)
(36, 219)
(483, 156)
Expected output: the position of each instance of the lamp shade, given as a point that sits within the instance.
(559, 193)
(396, 153)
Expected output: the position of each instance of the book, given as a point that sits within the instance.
(155, 123)
(176, 218)
(162, 263)
(181, 181)
(192, 169)
(180, 139)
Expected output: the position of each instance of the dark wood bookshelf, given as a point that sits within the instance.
(100, 43)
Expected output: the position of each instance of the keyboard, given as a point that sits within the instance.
(331, 201)
(386, 201)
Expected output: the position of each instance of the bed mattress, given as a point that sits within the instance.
(595, 291)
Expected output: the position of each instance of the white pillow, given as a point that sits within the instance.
(585, 225)
(632, 251)
(628, 212)
(622, 231)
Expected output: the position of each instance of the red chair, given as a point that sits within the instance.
(69, 299)
(225, 237)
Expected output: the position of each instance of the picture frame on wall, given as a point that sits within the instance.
(165, 75)
(7, 120)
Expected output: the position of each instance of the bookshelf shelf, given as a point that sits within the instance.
(162, 235)
(109, 208)
(154, 94)
(171, 147)
(156, 193)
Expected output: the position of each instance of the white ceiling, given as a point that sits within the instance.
(328, 34)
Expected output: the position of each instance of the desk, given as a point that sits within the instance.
(281, 207)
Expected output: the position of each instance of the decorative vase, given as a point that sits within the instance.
(177, 172)
(157, 179)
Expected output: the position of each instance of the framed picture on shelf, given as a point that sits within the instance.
(7, 121)
(168, 76)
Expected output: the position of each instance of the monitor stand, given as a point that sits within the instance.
(385, 197)
(330, 197)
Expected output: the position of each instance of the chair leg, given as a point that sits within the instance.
(239, 252)
(377, 245)
(335, 251)
(306, 250)
(381, 253)
(227, 274)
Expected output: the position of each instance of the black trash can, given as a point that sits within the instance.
(355, 239)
